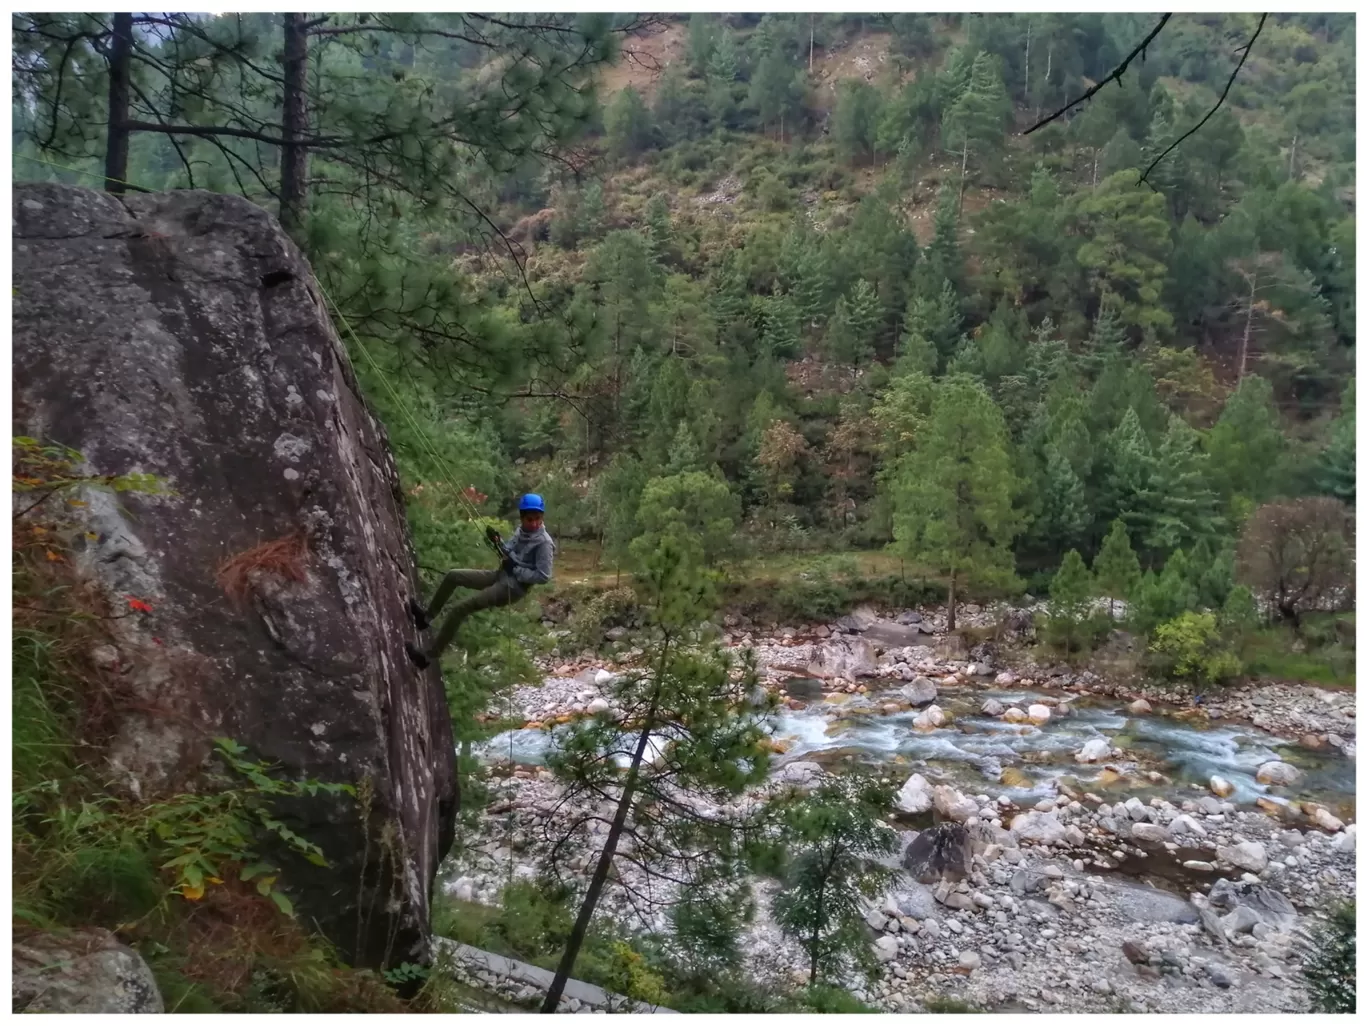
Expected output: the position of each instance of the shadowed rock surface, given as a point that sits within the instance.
(183, 335)
(941, 852)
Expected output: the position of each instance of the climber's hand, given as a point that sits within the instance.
(493, 536)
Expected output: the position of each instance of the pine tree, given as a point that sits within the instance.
(1116, 566)
(1337, 463)
(976, 122)
(627, 124)
(1162, 598)
(952, 495)
(1128, 470)
(1063, 514)
(684, 452)
(1246, 442)
(659, 228)
(723, 67)
(1179, 506)
(850, 336)
(1105, 346)
(781, 337)
(693, 696)
(1071, 592)
(835, 840)
(702, 41)
(936, 318)
(811, 289)
(944, 262)
(855, 121)
(917, 354)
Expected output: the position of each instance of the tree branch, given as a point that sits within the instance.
(1226, 92)
(1116, 74)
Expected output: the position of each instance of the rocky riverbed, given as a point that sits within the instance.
(1116, 851)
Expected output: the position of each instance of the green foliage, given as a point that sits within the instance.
(1116, 566)
(1330, 972)
(855, 121)
(1162, 597)
(832, 839)
(1246, 442)
(1190, 647)
(952, 493)
(692, 508)
(628, 124)
(1071, 593)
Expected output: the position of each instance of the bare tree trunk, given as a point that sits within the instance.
(294, 155)
(1292, 159)
(950, 616)
(600, 878)
(812, 34)
(1049, 64)
(1096, 153)
(1026, 96)
(1248, 325)
(116, 142)
(964, 165)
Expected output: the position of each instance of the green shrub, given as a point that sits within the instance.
(1190, 647)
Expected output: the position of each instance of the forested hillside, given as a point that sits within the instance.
(801, 294)
(777, 242)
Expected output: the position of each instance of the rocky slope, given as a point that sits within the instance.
(1073, 902)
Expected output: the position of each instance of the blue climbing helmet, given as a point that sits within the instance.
(531, 502)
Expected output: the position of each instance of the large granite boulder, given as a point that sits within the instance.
(183, 335)
(80, 972)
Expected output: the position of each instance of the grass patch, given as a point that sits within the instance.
(1322, 653)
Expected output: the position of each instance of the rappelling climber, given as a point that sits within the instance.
(523, 562)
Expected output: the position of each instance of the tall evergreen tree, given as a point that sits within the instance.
(952, 495)
(1179, 506)
(1116, 567)
(1246, 442)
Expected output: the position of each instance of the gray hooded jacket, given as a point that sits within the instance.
(532, 556)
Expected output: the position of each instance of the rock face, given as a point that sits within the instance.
(84, 972)
(183, 335)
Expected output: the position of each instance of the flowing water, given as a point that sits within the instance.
(972, 750)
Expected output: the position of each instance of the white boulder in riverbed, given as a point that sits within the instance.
(1248, 855)
(1015, 715)
(1140, 707)
(886, 948)
(1221, 786)
(953, 805)
(1094, 750)
(920, 691)
(1038, 714)
(1040, 827)
(598, 705)
(1323, 819)
(992, 707)
(1279, 774)
(914, 796)
(929, 718)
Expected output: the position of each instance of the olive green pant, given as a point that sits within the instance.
(496, 589)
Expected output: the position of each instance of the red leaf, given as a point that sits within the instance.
(139, 605)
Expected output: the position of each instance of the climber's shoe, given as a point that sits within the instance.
(419, 614)
(416, 655)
